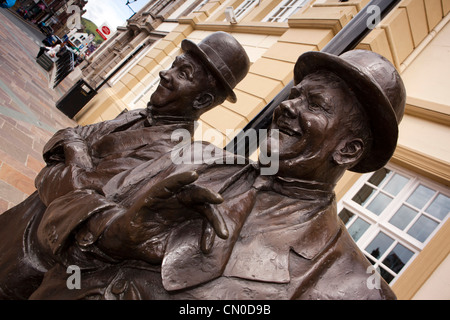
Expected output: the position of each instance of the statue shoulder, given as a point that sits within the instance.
(352, 276)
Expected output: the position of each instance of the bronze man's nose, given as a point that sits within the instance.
(287, 109)
(163, 75)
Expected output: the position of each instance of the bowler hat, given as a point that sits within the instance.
(224, 57)
(379, 89)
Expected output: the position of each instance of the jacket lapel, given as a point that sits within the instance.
(264, 255)
(185, 265)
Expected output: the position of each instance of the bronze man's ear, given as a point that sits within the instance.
(204, 100)
(349, 152)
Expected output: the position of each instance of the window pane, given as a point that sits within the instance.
(243, 7)
(345, 215)
(363, 195)
(396, 184)
(358, 228)
(422, 228)
(379, 245)
(440, 207)
(378, 177)
(292, 13)
(378, 204)
(370, 259)
(284, 10)
(420, 196)
(386, 275)
(403, 217)
(398, 257)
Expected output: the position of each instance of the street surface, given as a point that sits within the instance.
(28, 115)
(32, 32)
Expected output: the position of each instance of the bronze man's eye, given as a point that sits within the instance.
(295, 93)
(314, 106)
(319, 107)
(182, 75)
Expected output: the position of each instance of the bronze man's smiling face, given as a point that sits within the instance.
(179, 87)
(310, 125)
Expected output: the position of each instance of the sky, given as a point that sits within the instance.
(113, 12)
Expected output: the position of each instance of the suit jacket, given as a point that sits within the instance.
(115, 146)
(286, 242)
(66, 225)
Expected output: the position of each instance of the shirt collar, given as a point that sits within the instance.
(296, 188)
(302, 189)
(153, 120)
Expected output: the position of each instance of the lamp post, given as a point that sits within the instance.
(128, 4)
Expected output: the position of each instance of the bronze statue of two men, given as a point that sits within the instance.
(138, 226)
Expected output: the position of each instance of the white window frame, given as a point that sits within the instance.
(243, 8)
(284, 10)
(381, 222)
(201, 5)
(131, 63)
(153, 84)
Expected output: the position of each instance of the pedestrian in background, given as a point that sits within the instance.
(51, 51)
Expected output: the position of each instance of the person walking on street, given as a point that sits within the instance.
(51, 51)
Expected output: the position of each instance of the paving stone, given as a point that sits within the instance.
(28, 113)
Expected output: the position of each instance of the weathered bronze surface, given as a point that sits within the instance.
(138, 226)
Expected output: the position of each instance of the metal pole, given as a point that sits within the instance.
(345, 40)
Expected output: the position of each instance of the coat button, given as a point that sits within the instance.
(119, 286)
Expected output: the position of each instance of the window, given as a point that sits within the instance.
(201, 5)
(182, 10)
(146, 92)
(284, 10)
(158, 6)
(244, 7)
(391, 214)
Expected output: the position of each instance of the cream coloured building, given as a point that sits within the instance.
(133, 39)
(399, 215)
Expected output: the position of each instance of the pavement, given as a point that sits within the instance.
(28, 113)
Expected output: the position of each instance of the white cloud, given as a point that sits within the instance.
(113, 12)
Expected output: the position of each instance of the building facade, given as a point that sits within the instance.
(398, 215)
(135, 38)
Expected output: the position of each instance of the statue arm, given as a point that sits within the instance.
(69, 146)
(67, 157)
(59, 179)
(142, 230)
(74, 221)
(86, 221)
(69, 162)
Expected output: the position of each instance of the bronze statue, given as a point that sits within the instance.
(149, 235)
(342, 114)
(198, 80)
(81, 160)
